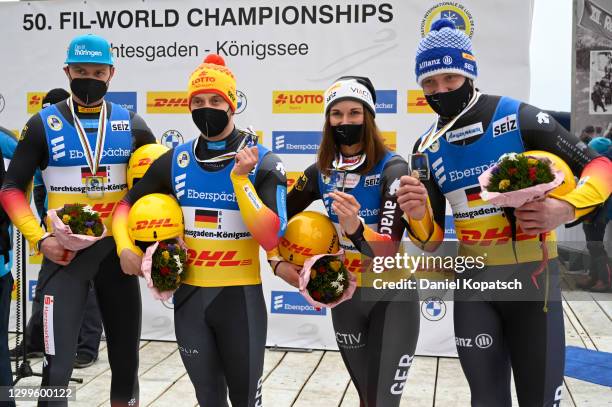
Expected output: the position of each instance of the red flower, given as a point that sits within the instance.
(532, 173)
(316, 295)
(512, 171)
(164, 271)
(321, 269)
(74, 214)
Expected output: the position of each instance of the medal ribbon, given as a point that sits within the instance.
(93, 157)
(434, 135)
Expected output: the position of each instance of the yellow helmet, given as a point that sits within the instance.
(155, 217)
(308, 234)
(569, 182)
(141, 160)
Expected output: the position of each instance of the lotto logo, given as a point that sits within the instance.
(297, 101)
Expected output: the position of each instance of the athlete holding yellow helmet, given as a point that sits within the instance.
(507, 331)
(231, 193)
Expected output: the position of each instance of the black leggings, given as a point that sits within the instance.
(221, 335)
(377, 340)
(494, 338)
(64, 291)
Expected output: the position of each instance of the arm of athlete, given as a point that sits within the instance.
(304, 192)
(31, 153)
(424, 208)
(541, 132)
(385, 241)
(266, 221)
(158, 179)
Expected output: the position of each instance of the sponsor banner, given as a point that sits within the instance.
(386, 101)
(167, 102)
(390, 139)
(297, 101)
(449, 228)
(417, 102)
(128, 100)
(34, 101)
(292, 177)
(291, 302)
(296, 142)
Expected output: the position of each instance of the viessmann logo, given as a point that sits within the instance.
(297, 101)
(167, 102)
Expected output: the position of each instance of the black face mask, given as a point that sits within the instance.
(347, 134)
(211, 122)
(450, 104)
(88, 90)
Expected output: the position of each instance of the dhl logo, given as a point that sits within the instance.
(292, 177)
(417, 102)
(490, 236)
(297, 101)
(390, 139)
(104, 209)
(354, 265)
(144, 162)
(221, 258)
(154, 223)
(34, 101)
(167, 102)
(296, 249)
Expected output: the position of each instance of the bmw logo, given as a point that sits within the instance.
(242, 102)
(433, 309)
(171, 138)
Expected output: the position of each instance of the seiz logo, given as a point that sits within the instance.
(120, 125)
(167, 102)
(504, 125)
(372, 180)
(214, 258)
(297, 101)
(104, 209)
(154, 223)
(488, 237)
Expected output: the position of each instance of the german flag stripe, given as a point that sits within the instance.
(473, 193)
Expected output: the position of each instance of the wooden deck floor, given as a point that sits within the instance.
(318, 378)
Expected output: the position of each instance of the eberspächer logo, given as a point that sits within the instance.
(290, 302)
(296, 142)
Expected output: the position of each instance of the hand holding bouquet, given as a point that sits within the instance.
(163, 265)
(77, 226)
(517, 179)
(325, 281)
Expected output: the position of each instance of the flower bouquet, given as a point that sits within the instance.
(76, 226)
(325, 281)
(163, 265)
(515, 180)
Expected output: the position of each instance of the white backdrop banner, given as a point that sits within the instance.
(283, 54)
